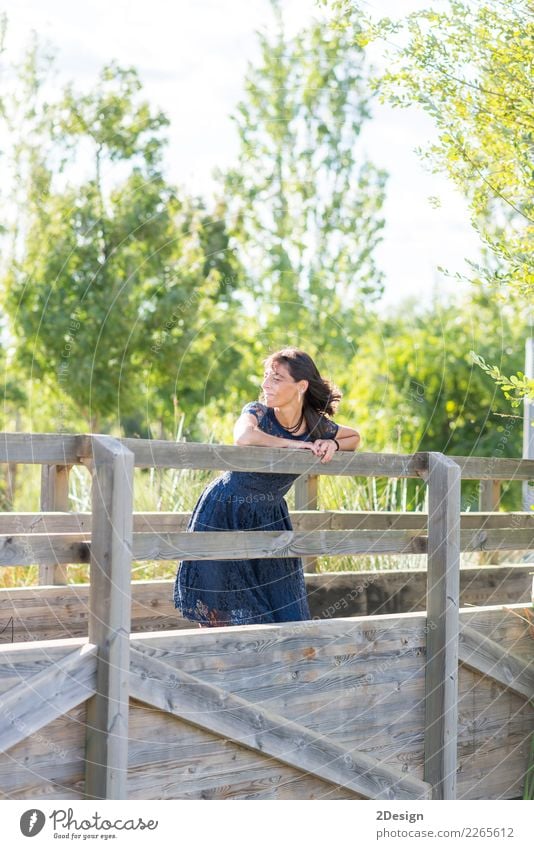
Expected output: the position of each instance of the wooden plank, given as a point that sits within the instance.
(54, 496)
(489, 496)
(383, 520)
(443, 603)
(48, 764)
(168, 688)
(64, 449)
(150, 453)
(493, 521)
(109, 618)
(42, 697)
(306, 498)
(198, 455)
(302, 520)
(489, 658)
(512, 626)
(375, 592)
(44, 522)
(41, 613)
(53, 548)
(494, 468)
(232, 545)
(54, 448)
(28, 549)
(497, 540)
(171, 759)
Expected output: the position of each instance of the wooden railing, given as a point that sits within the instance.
(111, 544)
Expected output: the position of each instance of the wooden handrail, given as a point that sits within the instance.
(65, 449)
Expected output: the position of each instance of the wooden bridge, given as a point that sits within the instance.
(435, 703)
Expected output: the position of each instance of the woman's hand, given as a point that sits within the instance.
(324, 448)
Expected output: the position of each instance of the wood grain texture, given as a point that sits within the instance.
(357, 682)
(172, 759)
(53, 448)
(302, 520)
(40, 698)
(157, 683)
(50, 763)
(489, 658)
(75, 448)
(443, 604)
(109, 619)
(43, 613)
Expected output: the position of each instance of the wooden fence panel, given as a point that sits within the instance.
(357, 683)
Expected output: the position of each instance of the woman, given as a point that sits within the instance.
(245, 592)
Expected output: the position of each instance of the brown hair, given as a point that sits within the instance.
(321, 397)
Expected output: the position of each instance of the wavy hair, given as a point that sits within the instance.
(321, 398)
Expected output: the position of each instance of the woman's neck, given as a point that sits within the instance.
(288, 416)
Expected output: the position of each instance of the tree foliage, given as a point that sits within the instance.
(113, 274)
(305, 203)
(416, 387)
(470, 67)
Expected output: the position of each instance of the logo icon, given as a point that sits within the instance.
(31, 822)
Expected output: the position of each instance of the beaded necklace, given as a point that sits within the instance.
(293, 428)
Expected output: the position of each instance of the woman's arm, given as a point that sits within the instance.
(348, 438)
(247, 432)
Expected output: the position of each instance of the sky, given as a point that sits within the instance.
(192, 57)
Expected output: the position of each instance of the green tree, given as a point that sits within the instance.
(99, 264)
(305, 203)
(470, 68)
(416, 388)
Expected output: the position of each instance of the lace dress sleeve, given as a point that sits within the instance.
(256, 408)
(331, 428)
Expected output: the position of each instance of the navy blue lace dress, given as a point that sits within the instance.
(245, 592)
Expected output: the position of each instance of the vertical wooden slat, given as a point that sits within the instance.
(54, 497)
(489, 496)
(443, 591)
(528, 425)
(109, 618)
(306, 499)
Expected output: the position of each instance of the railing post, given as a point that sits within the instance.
(528, 426)
(306, 499)
(54, 497)
(109, 618)
(442, 603)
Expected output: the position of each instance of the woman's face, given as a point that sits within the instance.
(278, 386)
